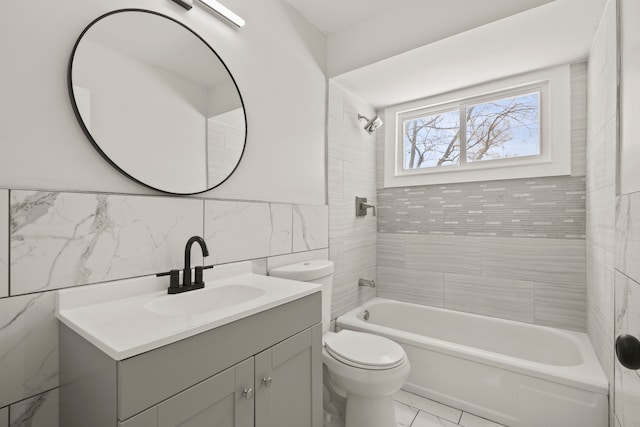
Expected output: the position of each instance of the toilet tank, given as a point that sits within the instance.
(318, 271)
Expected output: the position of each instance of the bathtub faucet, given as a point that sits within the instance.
(365, 282)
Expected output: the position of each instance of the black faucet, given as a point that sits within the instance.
(174, 284)
(186, 273)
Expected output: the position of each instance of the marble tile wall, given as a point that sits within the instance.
(627, 321)
(28, 346)
(53, 240)
(627, 235)
(626, 240)
(66, 239)
(627, 305)
(245, 230)
(39, 410)
(4, 243)
(351, 173)
(601, 191)
(310, 227)
(513, 249)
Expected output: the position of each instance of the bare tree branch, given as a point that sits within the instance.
(435, 140)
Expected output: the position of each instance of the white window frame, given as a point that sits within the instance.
(555, 132)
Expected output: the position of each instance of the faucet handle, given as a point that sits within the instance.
(174, 279)
(198, 279)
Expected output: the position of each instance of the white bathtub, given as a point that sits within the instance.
(510, 372)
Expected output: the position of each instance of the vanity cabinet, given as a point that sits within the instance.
(286, 380)
(217, 401)
(264, 370)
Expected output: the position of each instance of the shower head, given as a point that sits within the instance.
(372, 124)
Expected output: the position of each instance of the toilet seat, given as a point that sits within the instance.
(365, 351)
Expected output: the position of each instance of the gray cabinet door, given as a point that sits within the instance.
(219, 401)
(289, 382)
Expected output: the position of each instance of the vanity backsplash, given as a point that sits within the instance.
(54, 240)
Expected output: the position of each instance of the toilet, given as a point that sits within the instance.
(365, 369)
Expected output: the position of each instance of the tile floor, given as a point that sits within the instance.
(416, 411)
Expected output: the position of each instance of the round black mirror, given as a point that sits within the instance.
(157, 101)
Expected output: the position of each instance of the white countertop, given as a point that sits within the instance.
(112, 316)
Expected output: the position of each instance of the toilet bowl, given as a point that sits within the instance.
(365, 369)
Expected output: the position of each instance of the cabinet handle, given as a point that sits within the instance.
(267, 381)
(247, 393)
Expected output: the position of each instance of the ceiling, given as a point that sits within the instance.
(388, 52)
(332, 16)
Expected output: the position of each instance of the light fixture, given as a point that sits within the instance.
(223, 11)
(217, 8)
(187, 4)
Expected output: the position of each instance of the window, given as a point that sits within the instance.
(499, 130)
(503, 128)
(432, 140)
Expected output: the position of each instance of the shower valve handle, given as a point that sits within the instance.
(366, 206)
(362, 206)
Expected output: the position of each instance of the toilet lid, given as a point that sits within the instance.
(363, 350)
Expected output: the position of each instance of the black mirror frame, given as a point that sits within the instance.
(88, 133)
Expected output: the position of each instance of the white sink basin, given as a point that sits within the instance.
(128, 317)
(203, 300)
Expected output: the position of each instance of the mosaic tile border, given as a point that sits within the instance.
(551, 208)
